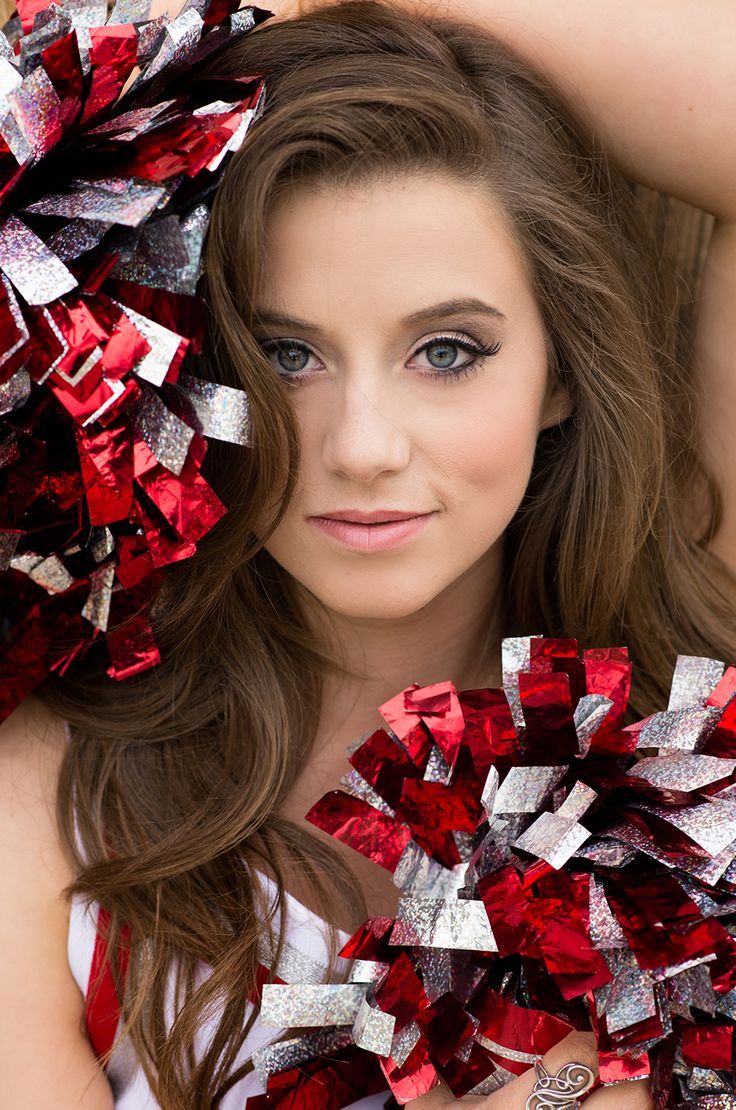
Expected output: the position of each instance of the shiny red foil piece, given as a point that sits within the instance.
(325, 1083)
(628, 932)
(81, 429)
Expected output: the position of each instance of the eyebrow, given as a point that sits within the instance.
(424, 315)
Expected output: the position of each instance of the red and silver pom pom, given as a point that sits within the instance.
(558, 870)
(108, 163)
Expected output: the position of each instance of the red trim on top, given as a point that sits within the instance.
(102, 1005)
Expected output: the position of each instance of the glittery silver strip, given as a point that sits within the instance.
(527, 789)
(37, 274)
(193, 229)
(109, 200)
(418, 873)
(508, 1053)
(242, 21)
(367, 971)
(672, 970)
(630, 997)
(96, 608)
(15, 391)
(283, 1055)
(154, 366)
(710, 871)
(16, 142)
(10, 129)
(464, 1052)
(590, 713)
(515, 657)
(692, 988)
(49, 573)
(37, 110)
(223, 412)
(490, 789)
(682, 771)
(77, 236)
(436, 968)
(437, 769)
(117, 388)
(294, 966)
(138, 120)
(373, 1029)
(726, 1003)
(84, 42)
(694, 680)
(18, 320)
(305, 1004)
(464, 844)
(357, 787)
(404, 1043)
(710, 824)
(8, 545)
(81, 372)
(130, 11)
(704, 1079)
(717, 1102)
(236, 140)
(578, 801)
(443, 923)
(86, 13)
(64, 346)
(607, 853)
(182, 36)
(48, 26)
(553, 838)
(158, 257)
(102, 543)
(166, 435)
(682, 728)
(10, 78)
(605, 931)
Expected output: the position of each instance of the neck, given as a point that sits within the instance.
(455, 637)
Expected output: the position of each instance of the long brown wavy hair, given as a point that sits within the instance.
(175, 776)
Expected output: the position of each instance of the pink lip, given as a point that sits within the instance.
(376, 531)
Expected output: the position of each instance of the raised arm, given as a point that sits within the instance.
(655, 81)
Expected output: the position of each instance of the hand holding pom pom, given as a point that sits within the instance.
(562, 873)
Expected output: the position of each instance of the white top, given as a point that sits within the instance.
(306, 938)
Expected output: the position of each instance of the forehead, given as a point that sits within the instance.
(388, 247)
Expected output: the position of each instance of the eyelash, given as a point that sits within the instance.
(480, 351)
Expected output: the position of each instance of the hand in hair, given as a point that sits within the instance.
(577, 1046)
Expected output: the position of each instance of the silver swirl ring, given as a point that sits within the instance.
(553, 1092)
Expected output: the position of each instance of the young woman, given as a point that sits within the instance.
(427, 270)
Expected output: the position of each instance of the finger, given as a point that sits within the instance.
(633, 1095)
(578, 1048)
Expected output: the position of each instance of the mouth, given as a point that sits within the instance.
(379, 530)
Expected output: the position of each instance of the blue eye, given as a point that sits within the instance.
(442, 354)
(289, 358)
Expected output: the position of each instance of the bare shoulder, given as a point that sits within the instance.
(45, 1057)
(715, 338)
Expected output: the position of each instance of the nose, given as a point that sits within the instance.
(365, 437)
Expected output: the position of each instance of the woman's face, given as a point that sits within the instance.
(402, 319)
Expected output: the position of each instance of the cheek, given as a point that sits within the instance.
(486, 447)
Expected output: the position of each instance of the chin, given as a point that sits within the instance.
(372, 604)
